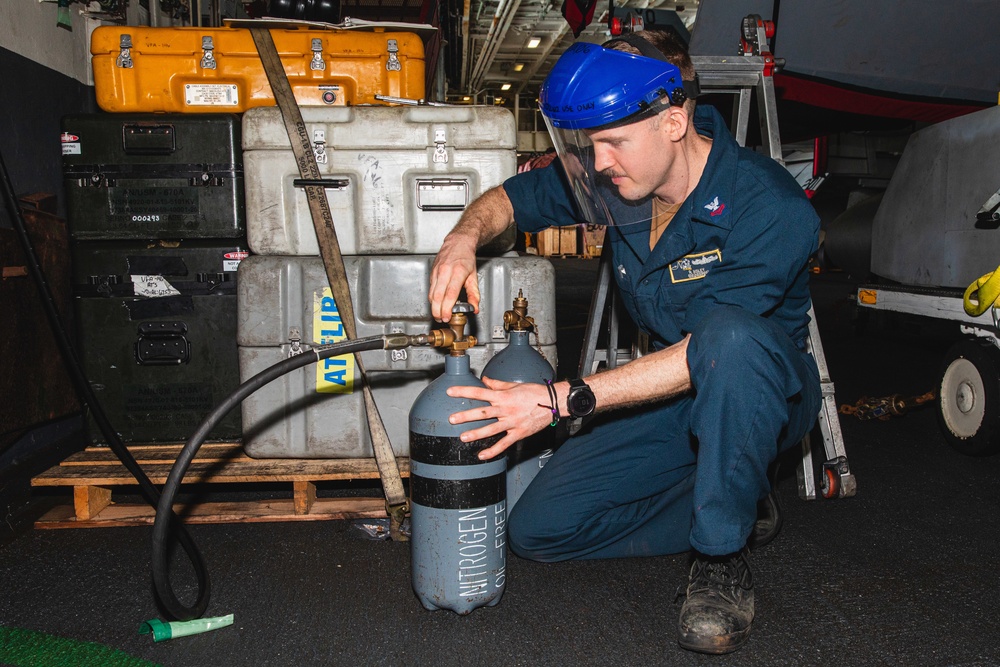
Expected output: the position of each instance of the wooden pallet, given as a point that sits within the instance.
(94, 472)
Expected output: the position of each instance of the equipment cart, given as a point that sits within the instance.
(936, 232)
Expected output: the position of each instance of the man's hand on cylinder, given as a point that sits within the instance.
(520, 409)
(454, 268)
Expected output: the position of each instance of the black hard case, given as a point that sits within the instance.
(159, 364)
(153, 176)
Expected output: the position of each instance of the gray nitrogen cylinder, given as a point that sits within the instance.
(519, 362)
(458, 511)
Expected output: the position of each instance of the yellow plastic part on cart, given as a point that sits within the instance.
(982, 294)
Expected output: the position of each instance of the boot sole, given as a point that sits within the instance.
(717, 645)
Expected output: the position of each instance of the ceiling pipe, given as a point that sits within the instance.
(504, 15)
(466, 41)
(494, 39)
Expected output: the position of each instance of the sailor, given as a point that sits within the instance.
(710, 244)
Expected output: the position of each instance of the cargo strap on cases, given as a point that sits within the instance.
(329, 247)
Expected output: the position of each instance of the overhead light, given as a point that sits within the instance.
(534, 42)
(505, 86)
(518, 67)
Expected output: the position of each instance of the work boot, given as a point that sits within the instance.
(717, 615)
(768, 522)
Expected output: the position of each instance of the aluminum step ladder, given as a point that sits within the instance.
(742, 76)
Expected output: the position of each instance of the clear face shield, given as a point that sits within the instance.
(598, 199)
(593, 89)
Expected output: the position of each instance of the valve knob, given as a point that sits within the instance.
(462, 307)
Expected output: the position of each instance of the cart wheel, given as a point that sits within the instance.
(829, 485)
(969, 397)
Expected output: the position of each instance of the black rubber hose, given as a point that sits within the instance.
(164, 514)
(82, 385)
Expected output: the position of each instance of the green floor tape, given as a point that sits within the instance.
(26, 648)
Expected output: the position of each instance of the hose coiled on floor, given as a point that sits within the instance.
(163, 524)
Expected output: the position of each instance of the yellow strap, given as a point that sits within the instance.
(985, 291)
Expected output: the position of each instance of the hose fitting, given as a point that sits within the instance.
(452, 337)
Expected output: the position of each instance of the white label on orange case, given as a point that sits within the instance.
(211, 95)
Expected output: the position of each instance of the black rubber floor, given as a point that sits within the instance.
(905, 573)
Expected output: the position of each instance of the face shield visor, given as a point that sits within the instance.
(592, 89)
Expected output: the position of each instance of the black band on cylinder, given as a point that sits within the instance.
(448, 451)
(458, 494)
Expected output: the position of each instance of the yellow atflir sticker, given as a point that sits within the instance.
(334, 375)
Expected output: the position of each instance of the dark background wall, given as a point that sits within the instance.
(33, 100)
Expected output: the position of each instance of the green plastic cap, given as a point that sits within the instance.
(161, 631)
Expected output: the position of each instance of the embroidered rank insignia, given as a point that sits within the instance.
(694, 267)
(715, 207)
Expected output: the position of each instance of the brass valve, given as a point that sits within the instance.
(453, 336)
(517, 318)
(456, 327)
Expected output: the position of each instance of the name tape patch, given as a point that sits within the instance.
(694, 267)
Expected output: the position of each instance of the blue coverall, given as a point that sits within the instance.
(731, 270)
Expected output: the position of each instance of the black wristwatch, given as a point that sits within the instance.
(581, 401)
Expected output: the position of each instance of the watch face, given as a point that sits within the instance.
(582, 402)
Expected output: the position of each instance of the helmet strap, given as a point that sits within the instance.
(641, 43)
(691, 87)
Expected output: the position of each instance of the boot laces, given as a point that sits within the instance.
(726, 572)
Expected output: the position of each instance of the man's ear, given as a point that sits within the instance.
(675, 123)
